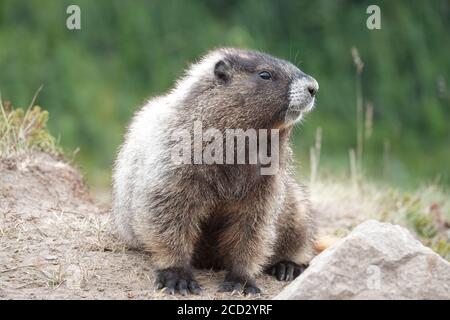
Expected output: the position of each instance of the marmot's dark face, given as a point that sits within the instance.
(249, 89)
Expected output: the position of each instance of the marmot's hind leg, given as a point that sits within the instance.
(285, 270)
(294, 246)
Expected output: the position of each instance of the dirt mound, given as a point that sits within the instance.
(56, 242)
(42, 182)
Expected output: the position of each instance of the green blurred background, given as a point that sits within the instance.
(96, 77)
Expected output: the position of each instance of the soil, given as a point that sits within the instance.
(56, 244)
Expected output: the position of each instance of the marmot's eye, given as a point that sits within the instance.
(265, 75)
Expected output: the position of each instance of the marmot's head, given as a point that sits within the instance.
(235, 88)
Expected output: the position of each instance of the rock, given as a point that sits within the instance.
(375, 261)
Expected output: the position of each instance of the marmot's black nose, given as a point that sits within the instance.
(312, 86)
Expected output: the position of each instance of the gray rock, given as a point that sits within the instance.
(375, 261)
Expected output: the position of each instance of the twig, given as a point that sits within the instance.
(19, 267)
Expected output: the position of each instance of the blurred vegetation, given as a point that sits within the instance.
(425, 211)
(96, 77)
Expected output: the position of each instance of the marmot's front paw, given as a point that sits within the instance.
(234, 282)
(286, 270)
(177, 279)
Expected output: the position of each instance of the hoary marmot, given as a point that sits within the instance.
(218, 215)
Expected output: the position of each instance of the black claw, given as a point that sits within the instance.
(274, 271)
(286, 270)
(194, 287)
(183, 292)
(159, 282)
(234, 283)
(281, 270)
(298, 270)
(226, 286)
(182, 287)
(176, 280)
(289, 272)
(237, 286)
(159, 285)
(252, 290)
(170, 285)
(170, 290)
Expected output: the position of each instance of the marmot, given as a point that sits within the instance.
(221, 216)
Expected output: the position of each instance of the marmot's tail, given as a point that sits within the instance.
(324, 242)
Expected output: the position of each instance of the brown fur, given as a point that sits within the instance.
(221, 216)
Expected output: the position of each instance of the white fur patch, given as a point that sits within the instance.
(299, 97)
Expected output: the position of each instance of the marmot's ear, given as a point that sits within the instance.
(222, 71)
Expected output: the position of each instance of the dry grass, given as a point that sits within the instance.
(25, 131)
(340, 206)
